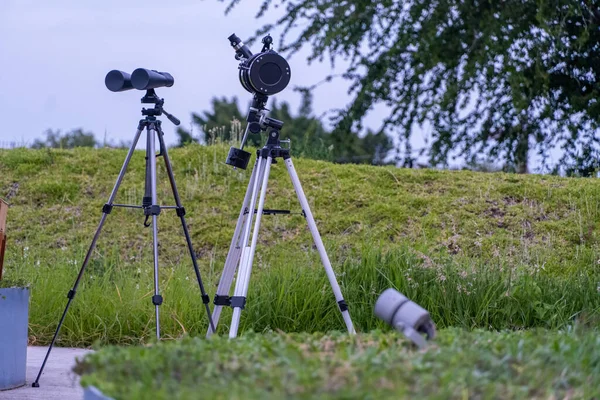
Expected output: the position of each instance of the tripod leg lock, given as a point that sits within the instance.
(71, 294)
(222, 300)
(180, 211)
(205, 299)
(343, 306)
(107, 208)
(157, 299)
(154, 209)
(238, 302)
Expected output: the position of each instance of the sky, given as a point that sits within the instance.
(55, 54)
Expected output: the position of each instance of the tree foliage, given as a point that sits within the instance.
(308, 137)
(72, 139)
(211, 125)
(493, 79)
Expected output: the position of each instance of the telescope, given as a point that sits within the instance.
(266, 73)
(405, 316)
(141, 79)
(262, 74)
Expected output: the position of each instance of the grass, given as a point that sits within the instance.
(113, 303)
(492, 251)
(17, 283)
(536, 221)
(475, 365)
(507, 265)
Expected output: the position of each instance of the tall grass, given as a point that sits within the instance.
(113, 304)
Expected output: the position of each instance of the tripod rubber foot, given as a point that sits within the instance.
(35, 384)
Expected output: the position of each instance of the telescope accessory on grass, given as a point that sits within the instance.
(141, 79)
(405, 316)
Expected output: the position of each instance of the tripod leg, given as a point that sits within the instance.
(238, 301)
(319, 243)
(181, 214)
(105, 211)
(154, 211)
(235, 250)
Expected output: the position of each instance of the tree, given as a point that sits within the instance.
(584, 164)
(224, 122)
(213, 124)
(72, 139)
(494, 79)
(308, 137)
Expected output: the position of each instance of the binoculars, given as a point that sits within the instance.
(141, 79)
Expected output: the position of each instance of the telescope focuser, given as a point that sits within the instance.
(241, 50)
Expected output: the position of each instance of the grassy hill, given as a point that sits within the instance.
(488, 250)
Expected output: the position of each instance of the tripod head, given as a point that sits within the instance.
(258, 121)
(152, 98)
(257, 117)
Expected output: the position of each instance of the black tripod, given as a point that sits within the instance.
(149, 205)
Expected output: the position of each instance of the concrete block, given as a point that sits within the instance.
(14, 317)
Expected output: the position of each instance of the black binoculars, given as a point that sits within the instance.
(141, 79)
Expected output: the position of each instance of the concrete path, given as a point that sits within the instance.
(58, 382)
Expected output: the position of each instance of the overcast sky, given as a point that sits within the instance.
(55, 54)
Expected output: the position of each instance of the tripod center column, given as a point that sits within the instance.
(154, 211)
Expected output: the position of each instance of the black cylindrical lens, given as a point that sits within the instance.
(118, 81)
(145, 79)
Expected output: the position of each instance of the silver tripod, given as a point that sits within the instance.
(241, 250)
(149, 205)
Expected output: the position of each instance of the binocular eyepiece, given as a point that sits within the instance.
(405, 316)
(141, 79)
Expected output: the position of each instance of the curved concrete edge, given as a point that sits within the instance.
(93, 393)
(6, 389)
